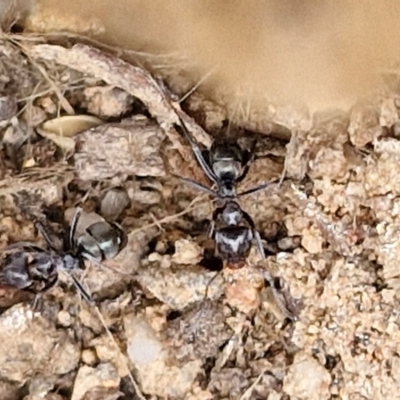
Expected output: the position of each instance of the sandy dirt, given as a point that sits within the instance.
(164, 325)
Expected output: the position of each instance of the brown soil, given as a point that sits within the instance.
(331, 229)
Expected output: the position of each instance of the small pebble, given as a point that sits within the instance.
(104, 375)
(187, 252)
(64, 318)
(153, 257)
(113, 203)
(166, 262)
(89, 357)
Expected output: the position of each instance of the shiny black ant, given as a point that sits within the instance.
(232, 229)
(225, 164)
(35, 269)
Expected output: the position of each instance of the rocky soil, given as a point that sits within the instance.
(81, 127)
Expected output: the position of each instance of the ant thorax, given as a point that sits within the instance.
(70, 262)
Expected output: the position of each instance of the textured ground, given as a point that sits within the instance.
(331, 230)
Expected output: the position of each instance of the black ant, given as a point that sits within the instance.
(232, 229)
(35, 269)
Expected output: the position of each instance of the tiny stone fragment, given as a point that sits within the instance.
(157, 374)
(144, 347)
(145, 191)
(242, 288)
(64, 318)
(229, 383)
(107, 352)
(364, 125)
(307, 379)
(312, 241)
(89, 357)
(179, 287)
(297, 156)
(33, 116)
(187, 252)
(15, 136)
(103, 376)
(199, 332)
(40, 386)
(107, 101)
(49, 396)
(9, 391)
(113, 203)
(103, 394)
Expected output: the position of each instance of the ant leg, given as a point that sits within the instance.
(211, 229)
(267, 276)
(196, 185)
(82, 290)
(256, 189)
(121, 235)
(40, 227)
(277, 297)
(209, 284)
(260, 247)
(93, 260)
(249, 157)
(72, 228)
(197, 152)
(36, 304)
(25, 246)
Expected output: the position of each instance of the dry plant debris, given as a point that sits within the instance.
(133, 80)
(183, 331)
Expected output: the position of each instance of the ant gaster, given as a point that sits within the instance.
(35, 269)
(231, 228)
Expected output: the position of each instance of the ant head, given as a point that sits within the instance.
(226, 160)
(102, 240)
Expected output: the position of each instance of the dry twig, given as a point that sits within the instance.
(111, 336)
(63, 101)
(134, 80)
(192, 206)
